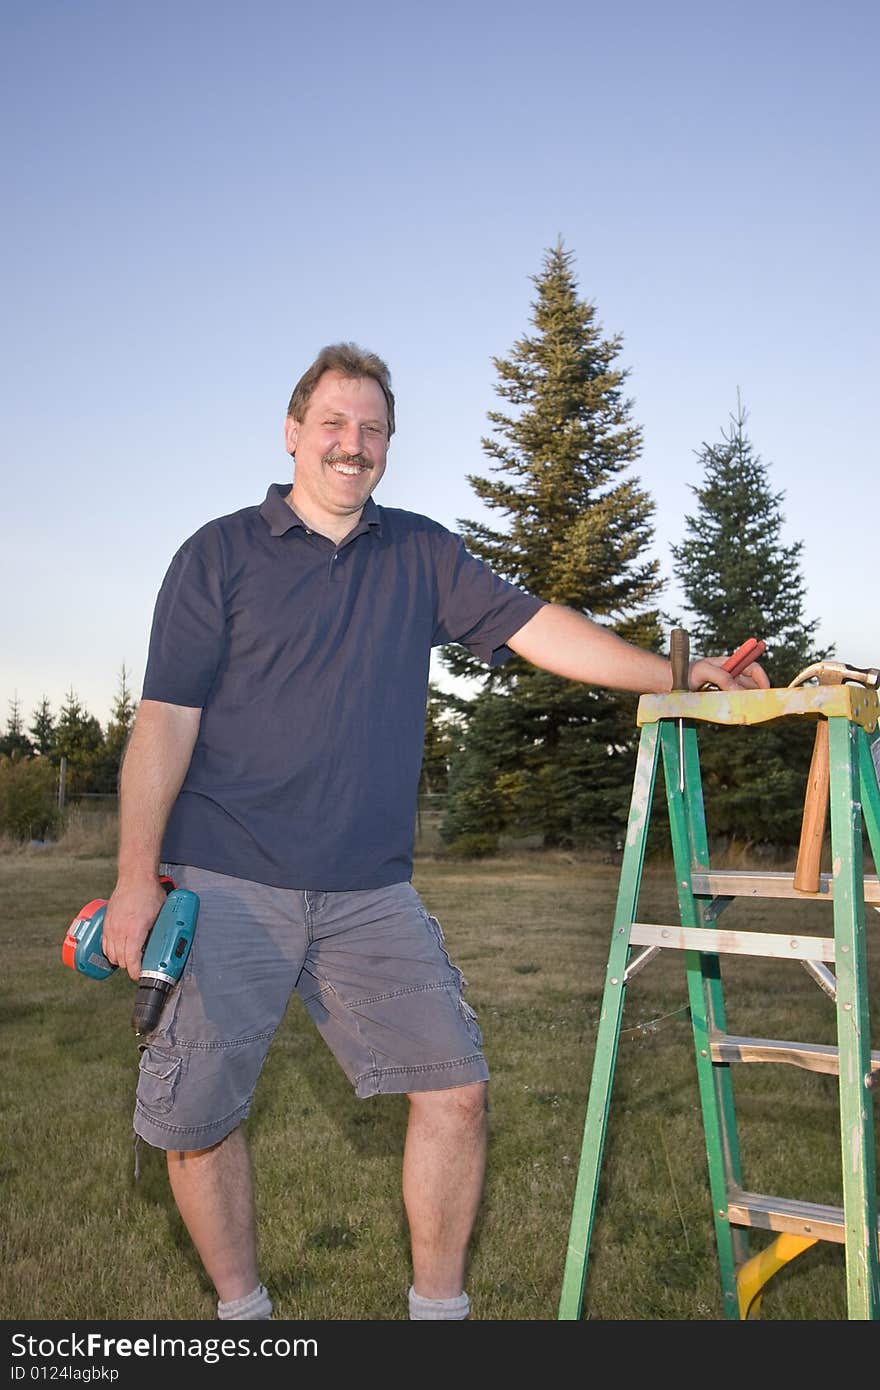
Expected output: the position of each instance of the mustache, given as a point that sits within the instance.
(337, 456)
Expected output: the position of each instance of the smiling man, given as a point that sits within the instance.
(273, 769)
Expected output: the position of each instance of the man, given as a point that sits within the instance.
(273, 769)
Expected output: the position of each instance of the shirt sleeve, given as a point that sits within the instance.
(188, 635)
(476, 607)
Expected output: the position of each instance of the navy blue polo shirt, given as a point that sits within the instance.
(310, 661)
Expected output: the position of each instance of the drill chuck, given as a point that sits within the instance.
(148, 1002)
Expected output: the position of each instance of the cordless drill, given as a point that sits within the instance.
(164, 956)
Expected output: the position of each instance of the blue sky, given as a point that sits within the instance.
(198, 196)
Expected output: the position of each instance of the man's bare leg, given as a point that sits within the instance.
(214, 1192)
(443, 1165)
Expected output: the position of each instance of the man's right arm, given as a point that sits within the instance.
(155, 764)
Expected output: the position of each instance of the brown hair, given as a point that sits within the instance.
(349, 360)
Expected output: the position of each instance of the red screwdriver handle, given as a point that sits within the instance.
(737, 662)
(750, 650)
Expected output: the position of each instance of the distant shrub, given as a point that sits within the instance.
(473, 846)
(28, 806)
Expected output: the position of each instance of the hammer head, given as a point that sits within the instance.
(836, 673)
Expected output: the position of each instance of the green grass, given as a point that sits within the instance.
(82, 1238)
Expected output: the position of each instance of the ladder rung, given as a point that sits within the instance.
(786, 1214)
(726, 1047)
(739, 943)
(740, 883)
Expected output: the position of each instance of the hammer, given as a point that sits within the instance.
(806, 874)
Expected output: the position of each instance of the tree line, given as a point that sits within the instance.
(74, 746)
(528, 753)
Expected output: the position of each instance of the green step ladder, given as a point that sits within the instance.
(838, 964)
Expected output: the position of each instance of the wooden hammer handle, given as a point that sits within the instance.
(806, 874)
(679, 657)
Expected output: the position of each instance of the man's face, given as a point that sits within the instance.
(340, 447)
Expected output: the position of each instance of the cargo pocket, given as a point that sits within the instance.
(158, 1077)
(437, 931)
(471, 1023)
(460, 985)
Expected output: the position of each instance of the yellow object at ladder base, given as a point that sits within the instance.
(755, 1273)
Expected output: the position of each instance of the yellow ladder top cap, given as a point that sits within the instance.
(854, 702)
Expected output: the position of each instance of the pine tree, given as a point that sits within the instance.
(439, 743)
(741, 580)
(15, 743)
(487, 793)
(80, 739)
(578, 528)
(118, 730)
(42, 730)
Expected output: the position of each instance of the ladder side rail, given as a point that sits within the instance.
(858, 1163)
(690, 851)
(869, 769)
(608, 1033)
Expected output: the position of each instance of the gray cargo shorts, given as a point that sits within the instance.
(370, 966)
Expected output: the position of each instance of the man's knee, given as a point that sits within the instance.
(459, 1105)
(229, 1142)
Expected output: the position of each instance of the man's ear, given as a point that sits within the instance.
(291, 430)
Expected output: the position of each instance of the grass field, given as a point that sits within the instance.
(83, 1239)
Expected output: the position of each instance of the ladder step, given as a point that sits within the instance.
(786, 1214)
(726, 1047)
(742, 943)
(739, 883)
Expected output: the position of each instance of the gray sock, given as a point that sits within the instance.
(252, 1307)
(424, 1308)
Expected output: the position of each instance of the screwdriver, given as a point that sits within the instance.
(679, 658)
(737, 662)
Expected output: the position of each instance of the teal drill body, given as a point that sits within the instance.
(165, 951)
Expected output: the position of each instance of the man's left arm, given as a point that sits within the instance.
(569, 644)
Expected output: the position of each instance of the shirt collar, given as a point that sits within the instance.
(280, 518)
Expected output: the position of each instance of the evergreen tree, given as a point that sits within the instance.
(741, 580)
(577, 532)
(439, 743)
(487, 794)
(42, 730)
(15, 742)
(118, 730)
(80, 739)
